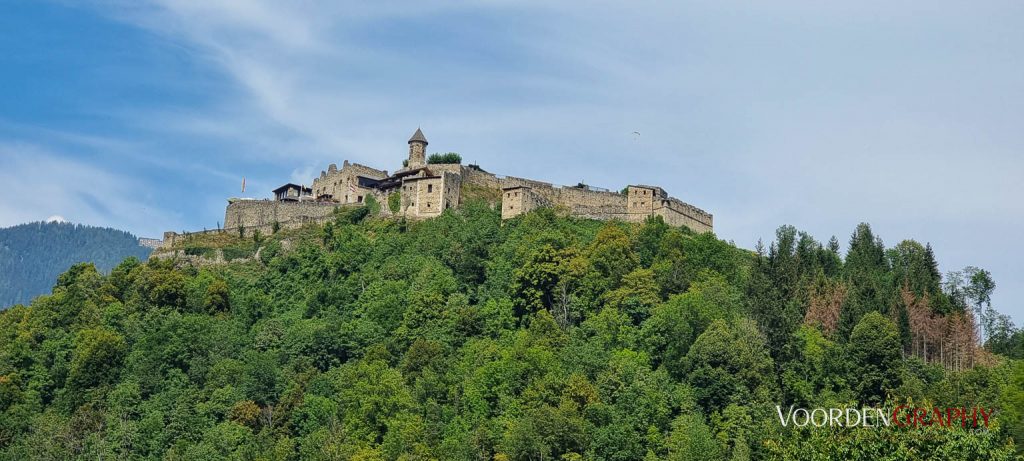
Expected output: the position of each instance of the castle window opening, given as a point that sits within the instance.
(359, 199)
(430, 188)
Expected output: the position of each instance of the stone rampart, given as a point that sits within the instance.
(580, 202)
(679, 213)
(260, 213)
(363, 170)
(480, 178)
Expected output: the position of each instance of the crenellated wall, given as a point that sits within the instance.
(250, 214)
(480, 178)
(638, 203)
(343, 185)
(678, 213)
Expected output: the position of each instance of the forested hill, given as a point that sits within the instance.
(540, 338)
(33, 255)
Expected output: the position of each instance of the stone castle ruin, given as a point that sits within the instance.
(424, 190)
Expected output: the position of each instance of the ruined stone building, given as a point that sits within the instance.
(424, 190)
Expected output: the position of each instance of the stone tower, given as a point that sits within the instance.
(417, 150)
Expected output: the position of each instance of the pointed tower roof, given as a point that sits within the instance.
(418, 137)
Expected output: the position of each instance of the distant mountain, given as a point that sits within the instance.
(33, 255)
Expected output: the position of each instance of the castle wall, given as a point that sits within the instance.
(479, 178)
(427, 197)
(520, 199)
(512, 181)
(452, 189)
(252, 214)
(678, 213)
(150, 243)
(343, 185)
(172, 238)
(438, 168)
(579, 202)
(363, 170)
(582, 198)
(408, 191)
(636, 205)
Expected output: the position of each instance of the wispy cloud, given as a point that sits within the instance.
(47, 184)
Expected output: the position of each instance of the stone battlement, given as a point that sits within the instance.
(247, 217)
(263, 214)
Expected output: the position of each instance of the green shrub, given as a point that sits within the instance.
(204, 252)
(371, 204)
(446, 158)
(395, 202)
(239, 251)
(271, 249)
(351, 215)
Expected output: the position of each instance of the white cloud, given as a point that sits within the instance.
(303, 176)
(48, 184)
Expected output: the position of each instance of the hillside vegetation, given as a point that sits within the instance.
(540, 338)
(33, 255)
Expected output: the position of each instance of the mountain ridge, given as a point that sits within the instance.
(33, 254)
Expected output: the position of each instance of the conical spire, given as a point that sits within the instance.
(418, 137)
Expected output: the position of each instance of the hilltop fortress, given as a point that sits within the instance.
(421, 190)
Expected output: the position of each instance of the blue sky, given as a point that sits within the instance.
(145, 115)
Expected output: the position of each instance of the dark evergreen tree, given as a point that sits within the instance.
(33, 255)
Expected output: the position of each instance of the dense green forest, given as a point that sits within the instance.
(33, 255)
(540, 338)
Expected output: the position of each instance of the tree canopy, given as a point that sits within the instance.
(33, 255)
(447, 157)
(465, 337)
